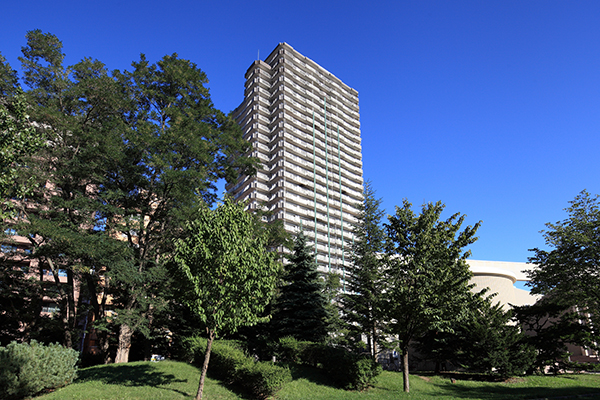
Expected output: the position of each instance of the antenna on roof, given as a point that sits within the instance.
(258, 55)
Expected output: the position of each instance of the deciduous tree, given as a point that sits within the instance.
(570, 270)
(230, 272)
(426, 272)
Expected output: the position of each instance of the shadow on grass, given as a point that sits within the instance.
(311, 374)
(130, 375)
(506, 390)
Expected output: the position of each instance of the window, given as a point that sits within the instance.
(8, 248)
(50, 308)
(62, 273)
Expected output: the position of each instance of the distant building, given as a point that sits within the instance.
(500, 277)
(304, 126)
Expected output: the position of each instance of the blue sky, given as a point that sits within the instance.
(492, 107)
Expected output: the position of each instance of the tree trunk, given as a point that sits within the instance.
(375, 349)
(125, 334)
(405, 370)
(211, 336)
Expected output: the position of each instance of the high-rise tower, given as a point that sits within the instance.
(304, 125)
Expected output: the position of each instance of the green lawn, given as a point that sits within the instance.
(175, 380)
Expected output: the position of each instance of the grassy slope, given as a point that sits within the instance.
(173, 380)
(168, 380)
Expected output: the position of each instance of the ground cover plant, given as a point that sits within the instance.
(170, 380)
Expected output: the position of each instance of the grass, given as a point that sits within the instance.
(172, 380)
(168, 380)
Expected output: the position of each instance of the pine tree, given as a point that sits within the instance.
(362, 303)
(301, 309)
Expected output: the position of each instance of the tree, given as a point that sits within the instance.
(71, 107)
(551, 324)
(487, 342)
(175, 146)
(301, 308)
(426, 273)
(130, 157)
(571, 269)
(230, 272)
(362, 303)
(18, 139)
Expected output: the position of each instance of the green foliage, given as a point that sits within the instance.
(129, 157)
(18, 139)
(571, 270)
(362, 301)
(230, 274)
(348, 370)
(487, 342)
(426, 272)
(264, 379)
(27, 369)
(289, 349)
(228, 270)
(231, 365)
(551, 324)
(301, 308)
(227, 358)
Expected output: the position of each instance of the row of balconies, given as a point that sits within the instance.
(333, 168)
(323, 176)
(350, 169)
(352, 197)
(303, 139)
(302, 63)
(323, 212)
(309, 180)
(349, 126)
(318, 98)
(352, 124)
(301, 123)
(292, 225)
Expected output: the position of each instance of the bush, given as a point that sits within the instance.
(347, 370)
(27, 369)
(229, 363)
(263, 379)
(292, 350)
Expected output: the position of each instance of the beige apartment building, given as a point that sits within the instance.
(304, 126)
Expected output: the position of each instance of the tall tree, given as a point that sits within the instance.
(230, 272)
(362, 303)
(426, 272)
(130, 156)
(301, 307)
(571, 269)
(71, 108)
(174, 148)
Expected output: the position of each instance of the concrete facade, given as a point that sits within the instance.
(304, 127)
(500, 277)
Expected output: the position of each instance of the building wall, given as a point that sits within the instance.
(500, 277)
(304, 126)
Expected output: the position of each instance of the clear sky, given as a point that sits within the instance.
(492, 107)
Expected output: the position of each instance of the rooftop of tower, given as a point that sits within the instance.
(284, 45)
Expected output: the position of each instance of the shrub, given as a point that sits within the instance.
(263, 379)
(229, 363)
(347, 370)
(292, 350)
(27, 369)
